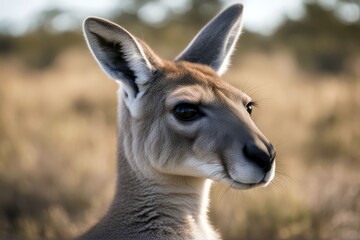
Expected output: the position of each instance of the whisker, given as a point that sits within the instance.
(227, 189)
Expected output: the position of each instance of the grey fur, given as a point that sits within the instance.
(164, 163)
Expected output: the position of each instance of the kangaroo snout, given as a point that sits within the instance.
(263, 156)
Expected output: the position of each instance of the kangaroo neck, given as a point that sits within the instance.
(173, 209)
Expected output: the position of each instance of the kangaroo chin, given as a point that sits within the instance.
(181, 127)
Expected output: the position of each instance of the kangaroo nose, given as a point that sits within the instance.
(263, 159)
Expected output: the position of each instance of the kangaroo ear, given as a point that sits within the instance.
(214, 44)
(120, 54)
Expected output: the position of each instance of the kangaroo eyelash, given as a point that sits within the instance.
(254, 103)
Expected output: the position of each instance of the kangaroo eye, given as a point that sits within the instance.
(249, 107)
(186, 112)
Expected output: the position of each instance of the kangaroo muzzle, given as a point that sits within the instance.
(262, 156)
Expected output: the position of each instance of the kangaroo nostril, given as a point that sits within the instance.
(272, 157)
(258, 156)
(272, 153)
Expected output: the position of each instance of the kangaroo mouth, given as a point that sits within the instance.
(225, 178)
(240, 185)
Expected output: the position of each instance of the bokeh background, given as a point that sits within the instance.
(300, 60)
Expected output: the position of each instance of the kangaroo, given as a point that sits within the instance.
(181, 126)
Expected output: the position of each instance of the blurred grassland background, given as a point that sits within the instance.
(58, 124)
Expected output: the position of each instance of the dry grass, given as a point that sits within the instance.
(57, 151)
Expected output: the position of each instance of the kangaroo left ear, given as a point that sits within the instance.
(214, 44)
(121, 55)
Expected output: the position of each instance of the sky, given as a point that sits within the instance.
(261, 16)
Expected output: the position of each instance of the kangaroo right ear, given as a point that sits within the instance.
(214, 44)
(120, 54)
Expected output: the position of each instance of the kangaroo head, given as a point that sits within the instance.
(179, 118)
